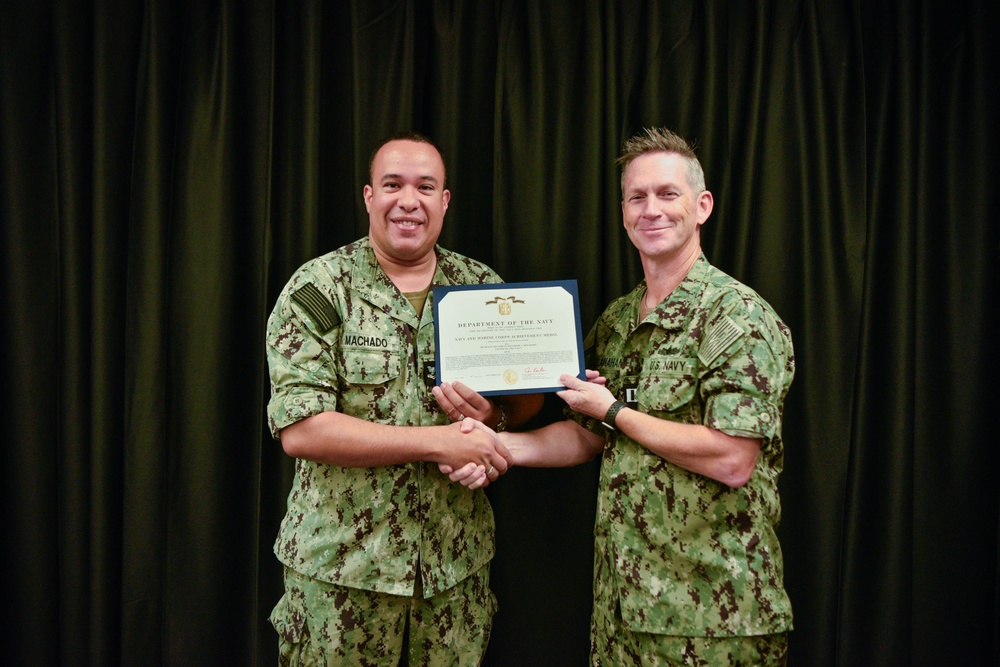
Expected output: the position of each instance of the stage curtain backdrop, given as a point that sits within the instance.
(165, 165)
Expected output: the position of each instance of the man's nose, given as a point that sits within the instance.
(649, 208)
(408, 197)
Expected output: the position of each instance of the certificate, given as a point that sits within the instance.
(508, 338)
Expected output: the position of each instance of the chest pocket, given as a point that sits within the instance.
(369, 360)
(371, 367)
(668, 388)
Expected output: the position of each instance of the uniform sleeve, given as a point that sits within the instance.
(747, 366)
(589, 353)
(301, 365)
(593, 425)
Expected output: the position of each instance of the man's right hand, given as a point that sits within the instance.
(483, 465)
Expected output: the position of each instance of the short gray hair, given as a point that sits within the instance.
(662, 140)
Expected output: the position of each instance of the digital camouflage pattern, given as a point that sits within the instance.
(613, 644)
(325, 624)
(352, 342)
(686, 555)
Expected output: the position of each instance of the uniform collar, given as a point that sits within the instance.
(673, 312)
(369, 279)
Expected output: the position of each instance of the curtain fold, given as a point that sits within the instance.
(165, 166)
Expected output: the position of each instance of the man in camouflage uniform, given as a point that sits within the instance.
(385, 558)
(692, 369)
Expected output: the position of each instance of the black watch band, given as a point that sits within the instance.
(612, 414)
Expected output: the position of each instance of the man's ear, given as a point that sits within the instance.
(705, 204)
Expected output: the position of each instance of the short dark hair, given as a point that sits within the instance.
(405, 135)
(662, 140)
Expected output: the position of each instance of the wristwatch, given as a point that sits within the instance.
(502, 422)
(612, 414)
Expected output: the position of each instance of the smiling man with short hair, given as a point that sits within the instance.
(386, 559)
(687, 377)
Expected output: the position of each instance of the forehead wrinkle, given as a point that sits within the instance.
(654, 180)
(654, 184)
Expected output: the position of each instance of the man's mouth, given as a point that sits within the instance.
(407, 223)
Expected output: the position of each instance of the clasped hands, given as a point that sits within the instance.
(491, 458)
(474, 411)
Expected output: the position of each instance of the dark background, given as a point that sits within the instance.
(165, 165)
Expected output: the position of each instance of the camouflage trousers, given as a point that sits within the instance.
(324, 624)
(649, 650)
(613, 644)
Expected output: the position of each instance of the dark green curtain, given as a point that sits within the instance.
(166, 165)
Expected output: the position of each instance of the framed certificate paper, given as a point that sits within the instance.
(510, 338)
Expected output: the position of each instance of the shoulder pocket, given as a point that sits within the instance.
(318, 306)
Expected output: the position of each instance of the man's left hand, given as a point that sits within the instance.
(459, 401)
(588, 397)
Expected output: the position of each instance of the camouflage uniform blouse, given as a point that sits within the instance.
(342, 337)
(688, 555)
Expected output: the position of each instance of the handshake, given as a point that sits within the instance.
(474, 455)
(480, 472)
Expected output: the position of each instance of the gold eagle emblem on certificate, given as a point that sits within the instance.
(504, 303)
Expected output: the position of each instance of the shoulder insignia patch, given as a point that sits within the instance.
(318, 306)
(722, 335)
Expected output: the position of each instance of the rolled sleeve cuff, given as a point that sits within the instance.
(293, 405)
(743, 416)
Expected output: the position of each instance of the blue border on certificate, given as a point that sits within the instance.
(569, 285)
